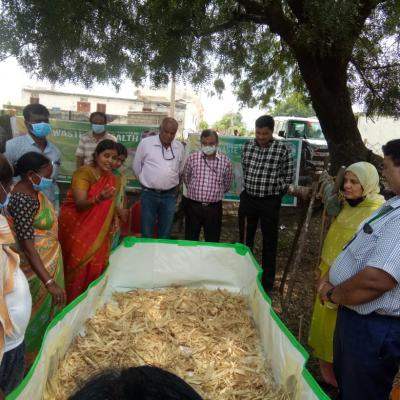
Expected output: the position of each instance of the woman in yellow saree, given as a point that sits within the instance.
(86, 219)
(34, 223)
(360, 190)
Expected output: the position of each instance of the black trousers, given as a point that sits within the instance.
(366, 354)
(207, 216)
(266, 209)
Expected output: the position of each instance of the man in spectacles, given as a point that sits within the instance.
(364, 281)
(158, 165)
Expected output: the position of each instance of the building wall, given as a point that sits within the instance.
(188, 110)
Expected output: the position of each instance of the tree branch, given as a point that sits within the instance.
(364, 78)
(364, 12)
(387, 66)
(272, 14)
(297, 7)
(346, 45)
(236, 19)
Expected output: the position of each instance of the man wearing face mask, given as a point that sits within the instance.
(37, 123)
(207, 176)
(89, 141)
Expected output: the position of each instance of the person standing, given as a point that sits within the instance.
(207, 176)
(158, 164)
(361, 199)
(34, 223)
(37, 122)
(89, 141)
(86, 217)
(267, 173)
(364, 282)
(15, 297)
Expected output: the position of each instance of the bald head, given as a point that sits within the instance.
(168, 129)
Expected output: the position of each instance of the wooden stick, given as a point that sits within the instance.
(299, 250)
(292, 251)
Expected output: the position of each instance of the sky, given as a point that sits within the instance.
(13, 78)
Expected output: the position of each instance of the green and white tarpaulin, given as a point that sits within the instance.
(150, 264)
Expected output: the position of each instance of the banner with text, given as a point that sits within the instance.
(231, 146)
(66, 136)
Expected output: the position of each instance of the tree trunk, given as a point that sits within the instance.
(326, 80)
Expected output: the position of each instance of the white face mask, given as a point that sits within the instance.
(209, 150)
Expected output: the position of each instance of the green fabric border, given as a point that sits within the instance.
(240, 249)
(17, 391)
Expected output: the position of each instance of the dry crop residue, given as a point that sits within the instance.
(208, 338)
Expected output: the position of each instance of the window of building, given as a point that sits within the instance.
(101, 107)
(83, 106)
(34, 99)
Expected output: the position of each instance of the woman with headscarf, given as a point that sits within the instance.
(361, 199)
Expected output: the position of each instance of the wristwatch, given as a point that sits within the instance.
(329, 294)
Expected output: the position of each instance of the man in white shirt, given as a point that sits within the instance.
(158, 165)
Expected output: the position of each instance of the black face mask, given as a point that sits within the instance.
(355, 202)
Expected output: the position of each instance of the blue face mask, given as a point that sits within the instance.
(7, 199)
(41, 129)
(96, 128)
(44, 184)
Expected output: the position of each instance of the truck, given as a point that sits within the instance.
(315, 154)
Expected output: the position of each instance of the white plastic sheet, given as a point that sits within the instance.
(144, 263)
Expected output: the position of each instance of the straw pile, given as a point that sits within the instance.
(208, 338)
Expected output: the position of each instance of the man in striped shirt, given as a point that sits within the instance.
(207, 176)
(267, 173)
(364, 281)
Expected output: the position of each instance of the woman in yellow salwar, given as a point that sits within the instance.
(34, 223)
(361, 198)
(86, 220)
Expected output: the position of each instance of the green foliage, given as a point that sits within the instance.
(295, 105)
(203, 125)
(229, 123)
(259, 43)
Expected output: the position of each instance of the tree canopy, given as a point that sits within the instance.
(294, 105)
(335, 51)
(231, 122)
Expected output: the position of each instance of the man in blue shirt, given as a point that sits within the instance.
(364, 281)
(37, 123)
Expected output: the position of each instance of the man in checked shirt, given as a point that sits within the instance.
(267, 173)
(207, 176)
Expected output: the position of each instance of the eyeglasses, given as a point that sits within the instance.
(163, 154)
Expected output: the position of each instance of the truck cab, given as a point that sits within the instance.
(315, 153)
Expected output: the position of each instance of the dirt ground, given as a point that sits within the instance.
(298, 314)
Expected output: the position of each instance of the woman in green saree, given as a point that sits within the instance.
(34, 223)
